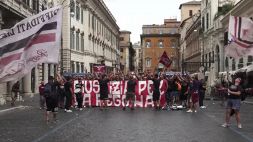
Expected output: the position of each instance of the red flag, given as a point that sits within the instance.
(165, 60)
(99, 68)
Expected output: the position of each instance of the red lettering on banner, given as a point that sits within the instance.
(117, 91)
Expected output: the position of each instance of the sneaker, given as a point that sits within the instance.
(180, 107)
(225, 125)
(195, 111)
(203, 107)
(132, 108)
(80, 109)
(68, 110)
(124, 108)
(189, 110)
(239, 126)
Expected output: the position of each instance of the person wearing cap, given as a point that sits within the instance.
(234, 103)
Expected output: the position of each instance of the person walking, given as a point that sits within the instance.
(42, 95)
(79, 95)
(14, 93)
(130, 94)
(234, 103)
(194, 90)
(68, 94)
(202, 90)
(156, 91)
(103, 84)
(51, 96)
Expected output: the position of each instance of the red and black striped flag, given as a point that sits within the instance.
(30, 42)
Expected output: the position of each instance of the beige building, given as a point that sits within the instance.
(125, 47)
(189, 13)
(12, 12)
(92, 38)
(138, 57)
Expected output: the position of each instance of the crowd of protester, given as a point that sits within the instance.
(182, 91)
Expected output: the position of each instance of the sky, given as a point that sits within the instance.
(132, 14)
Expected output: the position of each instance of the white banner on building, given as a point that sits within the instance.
(240, 37)
(32, 41)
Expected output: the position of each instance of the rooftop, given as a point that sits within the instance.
(194, 2)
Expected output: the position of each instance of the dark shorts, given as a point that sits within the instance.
(130, 96)
(156, 95)
(51, 104)
(103, 96)
(183, 97)
(233, 104)
(174, 93)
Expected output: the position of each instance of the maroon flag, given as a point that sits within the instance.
(99, 68)
(165, 60)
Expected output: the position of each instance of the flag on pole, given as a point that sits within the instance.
(165, 60)
(30, 42)
(240, 37)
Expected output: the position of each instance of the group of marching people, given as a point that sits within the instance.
(181, 91)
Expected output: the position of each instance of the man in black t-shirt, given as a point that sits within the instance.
(156, 91)
(79, 95)
(130, 94)
(68, 93)
(103, 84)
(234, 102)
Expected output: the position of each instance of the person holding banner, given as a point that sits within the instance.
(130, 94)
(79, 95)
(103, 84)
(156, 92)
(68, 93)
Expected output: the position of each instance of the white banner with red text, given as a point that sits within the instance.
(117, 93)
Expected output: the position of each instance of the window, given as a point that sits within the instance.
(240, 64)
(82, 42)
(72, 67)
(173, 43)
(77, 41)
(77, 67)
(190, 13)
(148, 62)
(250, 60)
(160, 44)
(206, 2)
(233, 64)
(121, 38)
(121, 49)
(77, 13)
(203, 23)
(210, 58)
(207, 21)
(72, 39)
(82, 68)
(148, 44)
(82, 16)
(89, 20)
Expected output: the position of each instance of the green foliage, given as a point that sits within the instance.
(224, 9)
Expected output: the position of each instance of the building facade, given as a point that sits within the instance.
(156, 39)
(125, 45)
(92, 38)
(11, 12)
(189, 13)
(138, 57)
(192, 52)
